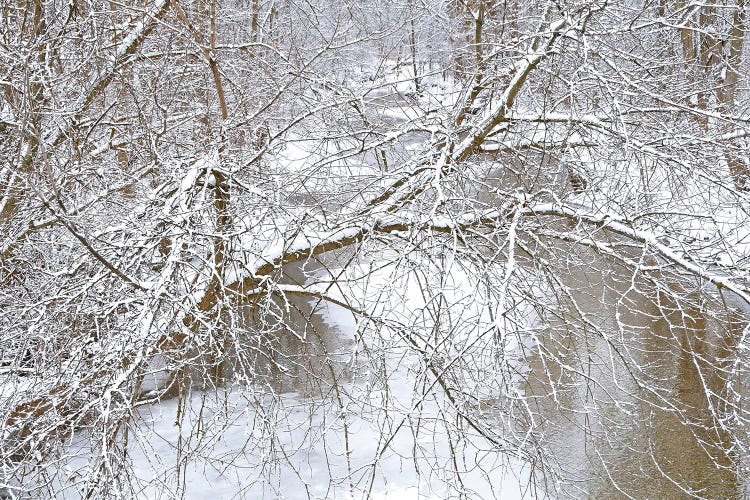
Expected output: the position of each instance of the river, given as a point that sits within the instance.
(631, 387)
(627, 381)
(634, 387)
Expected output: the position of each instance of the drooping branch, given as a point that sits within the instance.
(650, 240)
(303, 248)
(306, 248)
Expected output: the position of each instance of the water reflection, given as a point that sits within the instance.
(631, 386)
(289, 344)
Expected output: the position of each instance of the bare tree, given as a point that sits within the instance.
(521, 251)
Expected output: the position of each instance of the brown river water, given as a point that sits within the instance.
(635, 384)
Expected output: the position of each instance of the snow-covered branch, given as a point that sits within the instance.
(128, 46)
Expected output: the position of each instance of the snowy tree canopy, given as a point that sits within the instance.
(397, 249)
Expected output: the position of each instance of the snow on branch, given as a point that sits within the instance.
(650, 240)
(126, 48)
(306, 247)
(406, 187)
(492, 119)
